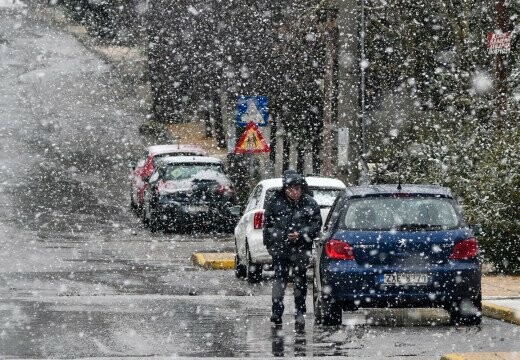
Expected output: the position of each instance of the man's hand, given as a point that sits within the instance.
(293, 236)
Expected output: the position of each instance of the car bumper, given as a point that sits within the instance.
(357, 286)
(204, 213)
(257, 249)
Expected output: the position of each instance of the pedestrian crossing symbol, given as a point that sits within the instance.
(251, 141)
(252, 109)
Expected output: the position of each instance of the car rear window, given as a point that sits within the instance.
(158, 158)
(400, 213)
(324, 197)
(191, 171)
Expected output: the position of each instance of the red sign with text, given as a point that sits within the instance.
(499, 43)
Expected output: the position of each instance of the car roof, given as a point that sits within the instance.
(388, 189)
(172, 148)
(312, 181)
(190, 159)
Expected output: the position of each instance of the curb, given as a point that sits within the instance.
(500, 312)
(455, 356)
(219, 261)
(483, 356)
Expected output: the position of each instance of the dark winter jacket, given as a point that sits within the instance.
(283, 216)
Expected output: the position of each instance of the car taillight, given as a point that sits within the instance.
(465, 249)
(258, 220)
(161, 187)
(147, 169)
(339, 250)
(224, 189)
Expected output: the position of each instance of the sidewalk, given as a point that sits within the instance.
(501, 297)
(130, 63)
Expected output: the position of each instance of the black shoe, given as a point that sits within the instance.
(299, 327)
(299, 322)
(276, 320)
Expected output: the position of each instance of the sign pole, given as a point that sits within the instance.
(500, 66)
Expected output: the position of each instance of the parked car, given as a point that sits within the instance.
(145, 166)
(397, 246)
(250, 253)
(186, 191)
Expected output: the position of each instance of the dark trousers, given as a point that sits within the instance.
(298, 263)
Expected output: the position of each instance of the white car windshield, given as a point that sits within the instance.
(324, 197)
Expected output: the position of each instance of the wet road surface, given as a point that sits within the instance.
(81, 277)
(223, 326)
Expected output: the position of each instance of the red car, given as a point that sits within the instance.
(146, 165)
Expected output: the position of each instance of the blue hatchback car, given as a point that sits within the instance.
(397, 246)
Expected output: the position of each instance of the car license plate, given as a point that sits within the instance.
(196, 208)
(405, 279)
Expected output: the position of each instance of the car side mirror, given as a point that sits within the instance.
(235, 210)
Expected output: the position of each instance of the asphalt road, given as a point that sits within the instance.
(79, 275)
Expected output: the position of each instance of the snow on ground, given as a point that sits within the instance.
(12, 4)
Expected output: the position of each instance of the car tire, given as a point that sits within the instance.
(154, 224)
(172, 227)
(150, 218)
(225, 225)
(133, 205)
(240, 269)
(466, 311)
(253, 271)
(229, 225)
(143, 214)
(326, 311)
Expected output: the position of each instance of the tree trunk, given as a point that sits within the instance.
(219, 121)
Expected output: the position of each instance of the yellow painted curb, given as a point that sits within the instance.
(220, 261)
(483, 356)
(500, 312)
(453, 357)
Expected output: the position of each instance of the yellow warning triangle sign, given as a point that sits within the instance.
(251, 141)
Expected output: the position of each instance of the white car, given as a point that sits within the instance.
(250, 253)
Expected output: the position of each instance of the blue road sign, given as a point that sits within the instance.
(252, 108)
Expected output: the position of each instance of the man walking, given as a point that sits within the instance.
(292, 221)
